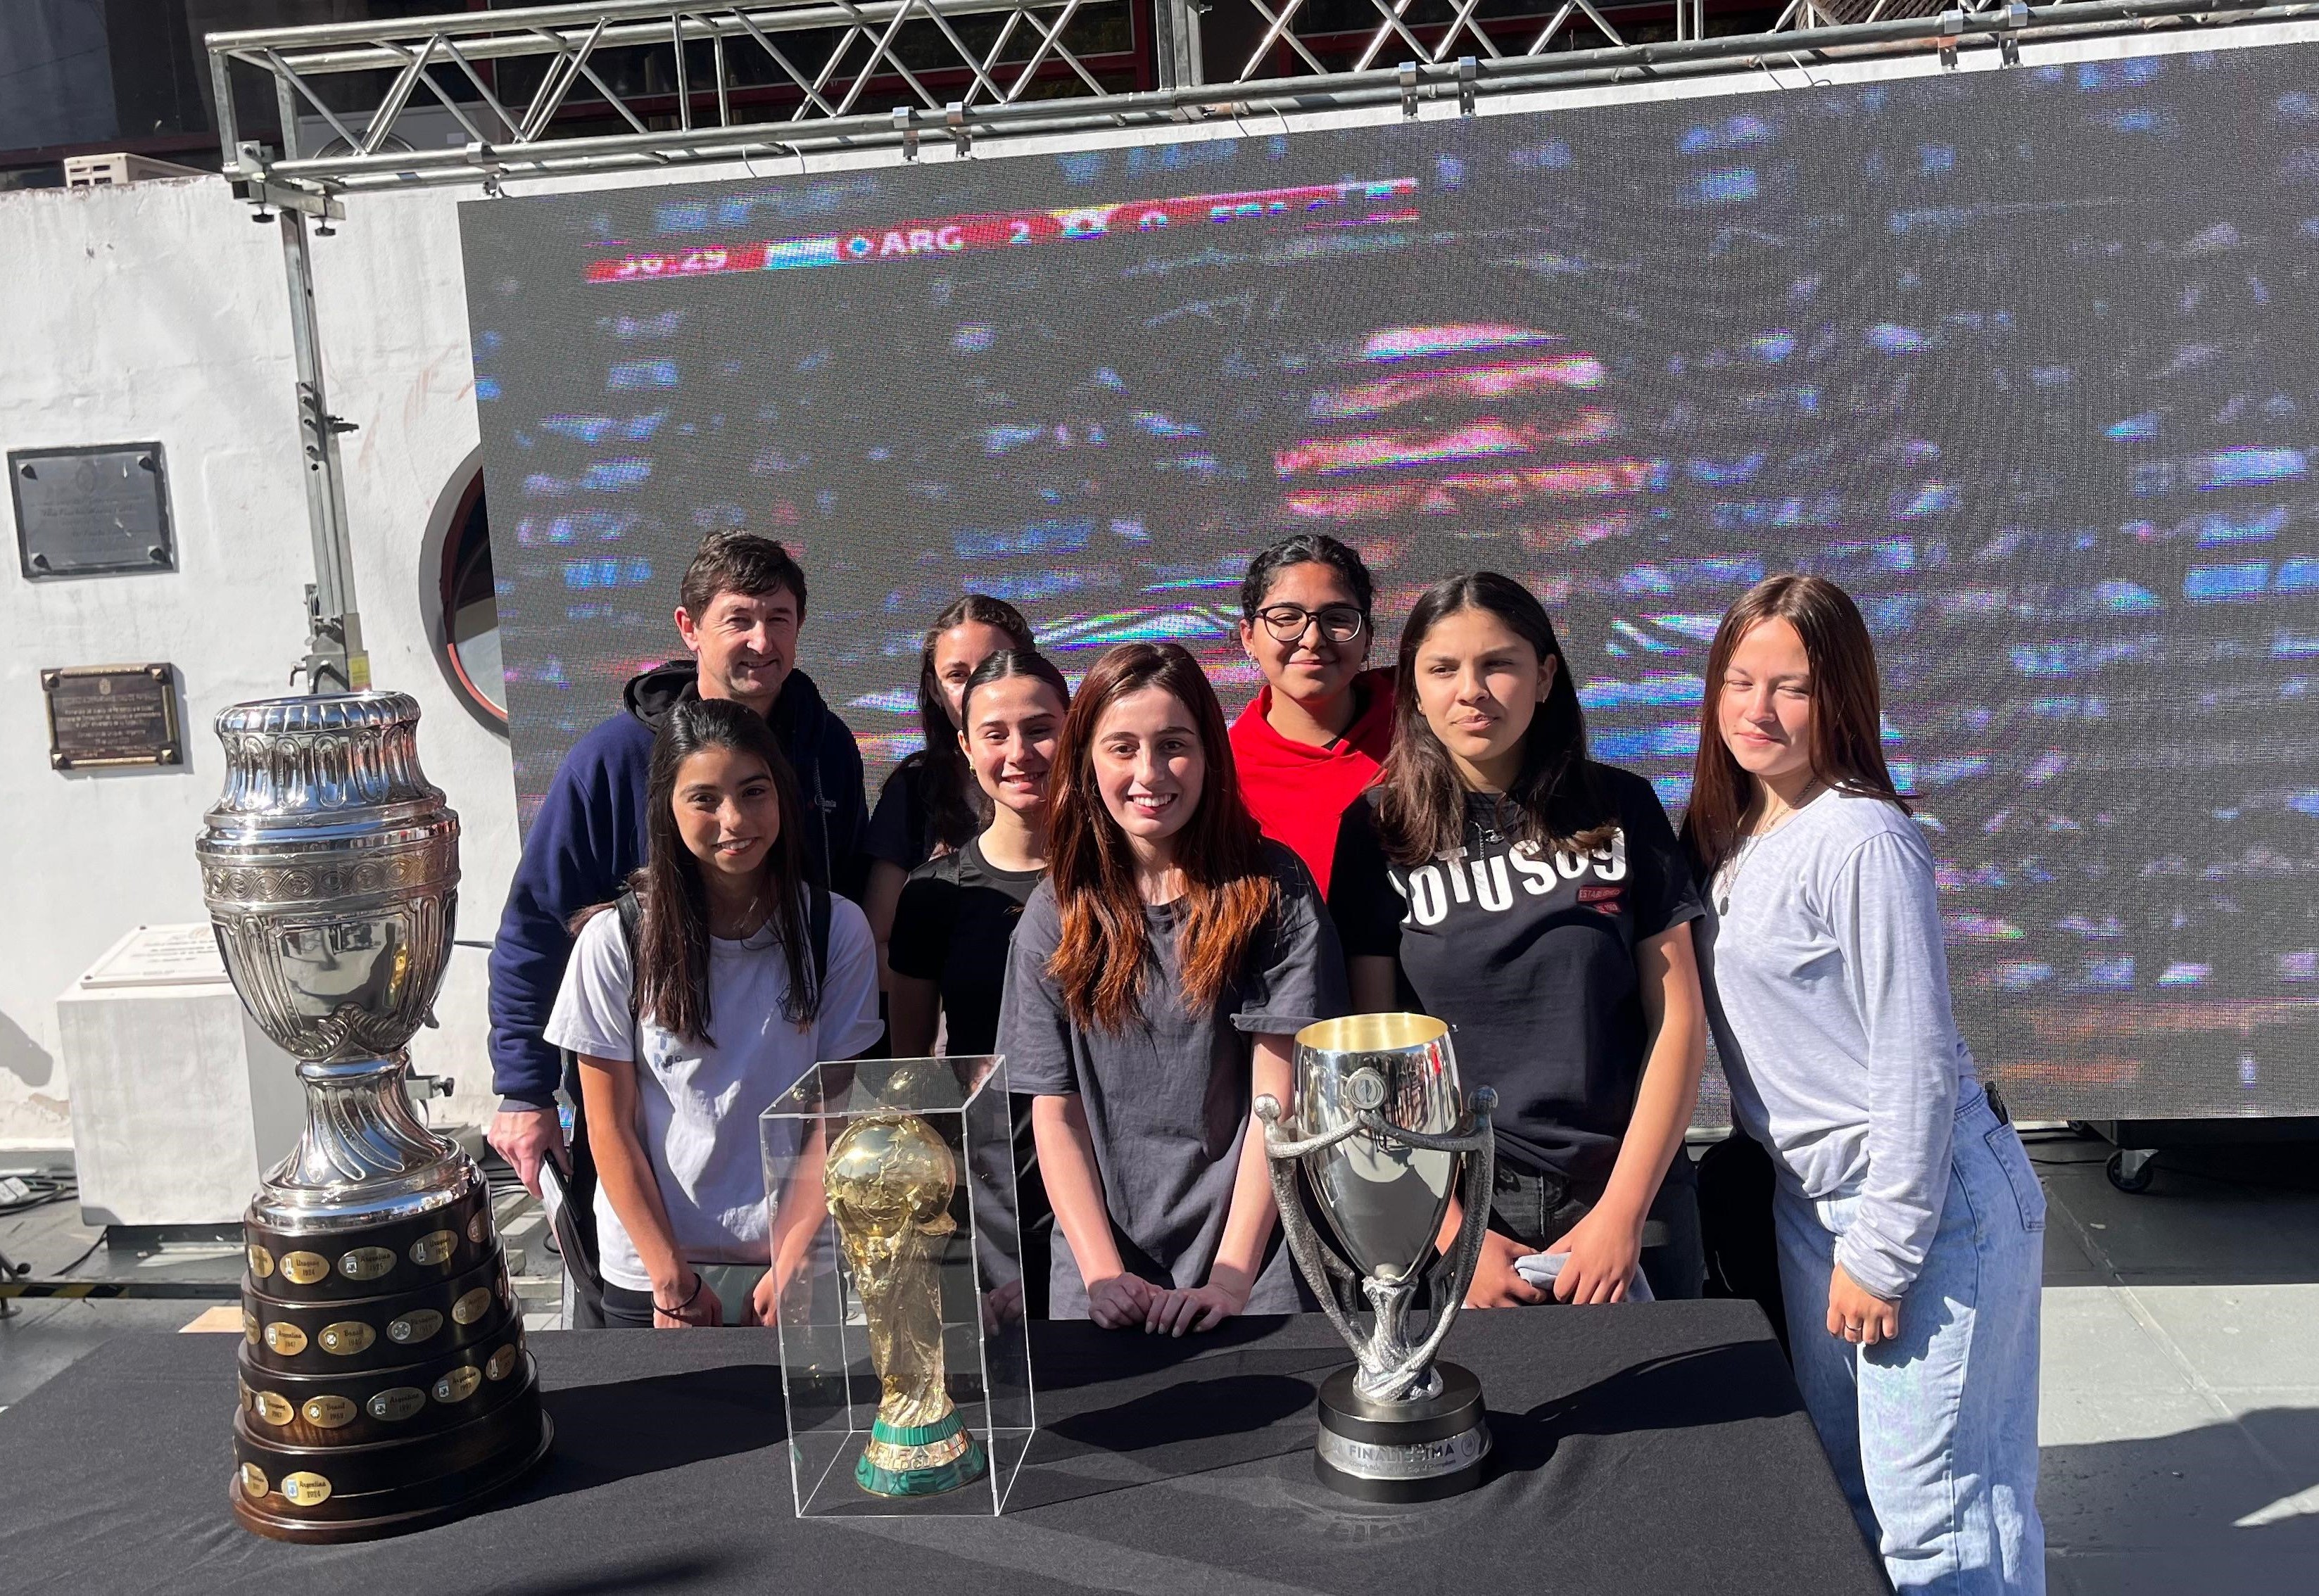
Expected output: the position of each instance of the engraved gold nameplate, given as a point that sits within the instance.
(366, 1263)
(305, 1490)
(261, 1262)
(348, 1337)
(459, 1385)
(473, 1306)
(396, 1405)
(285, 1337)
(502, 1364)
(329, 1412)
(273, 1408)
(414, 1327)
(304, 1268)
(479, 1227)
(249, 1326)
(433, 1247)
(253, 1480)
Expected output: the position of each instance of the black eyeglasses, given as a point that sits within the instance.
(1339, 623)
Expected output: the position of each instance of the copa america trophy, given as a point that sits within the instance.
(1382, 1136)
(384, 1384)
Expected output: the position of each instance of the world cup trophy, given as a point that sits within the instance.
(889, 1181)
(1384, 1139)
(384, 1384)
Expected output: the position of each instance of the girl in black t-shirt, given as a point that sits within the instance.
(957, 913)
(949, 946)
(1498, 880)
(931, 805)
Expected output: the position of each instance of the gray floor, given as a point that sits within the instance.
(2180, 1405)
(2180, 1418)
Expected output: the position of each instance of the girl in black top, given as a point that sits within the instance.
(957, 912)
(949, 946)
(1498, 880)
(930, 805)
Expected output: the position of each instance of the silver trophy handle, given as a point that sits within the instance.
(1477, 1143)
(1453, 1272)
(1315, 1257)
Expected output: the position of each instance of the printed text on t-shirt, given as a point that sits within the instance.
(1488, 883)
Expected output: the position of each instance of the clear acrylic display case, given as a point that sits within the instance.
(891, 1186)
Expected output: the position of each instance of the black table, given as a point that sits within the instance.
(1656, 1447)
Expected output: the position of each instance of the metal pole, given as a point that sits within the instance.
(335, 660)
(1178, 38)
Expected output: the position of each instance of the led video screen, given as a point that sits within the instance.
(2023, 358)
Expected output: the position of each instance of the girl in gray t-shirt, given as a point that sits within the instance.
(1156, 981)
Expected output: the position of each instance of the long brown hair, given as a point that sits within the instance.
(1421, 801)
(671, 974)
(954, 804)
(1100, 962)
(1847, 748)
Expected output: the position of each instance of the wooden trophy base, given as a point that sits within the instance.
(385, 1385)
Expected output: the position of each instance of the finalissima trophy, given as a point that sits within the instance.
(384, 1384)
(1382, 1135)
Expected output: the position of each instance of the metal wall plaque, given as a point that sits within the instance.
(102, 511)
(112, 715)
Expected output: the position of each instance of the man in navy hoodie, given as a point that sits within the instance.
(738, 610)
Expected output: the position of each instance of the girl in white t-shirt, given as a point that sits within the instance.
(720, 1014)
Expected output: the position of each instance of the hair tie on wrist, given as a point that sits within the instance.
(699, 1280)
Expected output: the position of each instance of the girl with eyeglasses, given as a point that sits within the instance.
(1156, 984)
(1316, 733)
(1499, 880)
(1907, 1214)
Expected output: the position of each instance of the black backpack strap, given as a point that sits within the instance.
(631, 910)
(575, 1232)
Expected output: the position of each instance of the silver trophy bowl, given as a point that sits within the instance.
(330, 868)
(1384, 1139)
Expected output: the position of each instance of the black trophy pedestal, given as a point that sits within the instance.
(384, 1384)
(1403, 1451)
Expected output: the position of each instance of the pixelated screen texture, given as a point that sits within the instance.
(2024, 359)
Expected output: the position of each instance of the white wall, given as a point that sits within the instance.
(158, 312)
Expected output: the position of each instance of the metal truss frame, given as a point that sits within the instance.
(686, 82)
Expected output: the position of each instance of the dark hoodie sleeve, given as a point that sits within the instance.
(576, 854)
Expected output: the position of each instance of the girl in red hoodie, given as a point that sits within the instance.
(1315, 734)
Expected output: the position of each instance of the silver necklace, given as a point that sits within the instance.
(1738, 862)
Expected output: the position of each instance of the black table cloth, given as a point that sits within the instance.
(1642, 1447)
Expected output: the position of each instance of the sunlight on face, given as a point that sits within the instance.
(1763, 706)
(959, 652)
(1479, 684)
(1010, 731)
(1148, 764)
(726, 810)
(1311, 667)
(746, 643)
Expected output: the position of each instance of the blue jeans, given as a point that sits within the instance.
(1934, 1435)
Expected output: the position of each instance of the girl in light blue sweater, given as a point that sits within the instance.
(1909, 1219)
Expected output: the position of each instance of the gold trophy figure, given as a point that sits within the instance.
(889, 1180)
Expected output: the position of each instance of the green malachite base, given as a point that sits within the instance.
(894, 1442)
